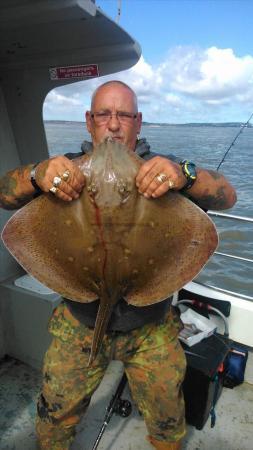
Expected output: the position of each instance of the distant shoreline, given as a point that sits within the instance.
(153, 124)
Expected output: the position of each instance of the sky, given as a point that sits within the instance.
(196, 63)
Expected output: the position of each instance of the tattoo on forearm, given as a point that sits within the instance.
(9, 199)
(8, 185)
(13, 203)
(218, 201)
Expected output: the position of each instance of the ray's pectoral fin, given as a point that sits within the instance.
(102, 319)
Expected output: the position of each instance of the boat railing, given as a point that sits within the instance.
(232, 217)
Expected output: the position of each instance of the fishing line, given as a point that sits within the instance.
(233, 142)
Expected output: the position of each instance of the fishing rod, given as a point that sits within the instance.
(119, 11)
(233, 142)
(118, 406)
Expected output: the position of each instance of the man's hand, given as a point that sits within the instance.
(67, 190)
(16, 188)
(211, 189)
(158, 175)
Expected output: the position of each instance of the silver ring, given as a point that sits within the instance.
(53, 189)
(57, 181)
(161, 177)
(65, 175)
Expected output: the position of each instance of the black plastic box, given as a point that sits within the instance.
(204, 377)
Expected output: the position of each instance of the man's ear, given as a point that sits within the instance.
(88, 121)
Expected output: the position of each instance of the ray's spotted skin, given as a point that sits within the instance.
(97, 246)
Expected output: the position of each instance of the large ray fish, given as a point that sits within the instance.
(112, 241)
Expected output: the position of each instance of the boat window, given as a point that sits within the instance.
(64, 119)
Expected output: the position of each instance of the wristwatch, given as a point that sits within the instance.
(33, 180)
(190, 173)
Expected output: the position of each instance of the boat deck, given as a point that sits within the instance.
(19, 387)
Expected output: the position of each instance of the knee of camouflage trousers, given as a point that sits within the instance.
(55, 432)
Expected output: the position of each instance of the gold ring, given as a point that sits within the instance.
(171, 184)
(57, 181)
(53, 189)
(161, 177)
(65, 175)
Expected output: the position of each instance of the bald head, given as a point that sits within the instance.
(112, 83)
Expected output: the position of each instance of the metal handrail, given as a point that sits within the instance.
(227, 255)
(231, 216)
(224, 291)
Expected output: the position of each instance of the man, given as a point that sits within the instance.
(145, 339)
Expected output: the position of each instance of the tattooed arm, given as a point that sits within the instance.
(211, 189)
(16, 188)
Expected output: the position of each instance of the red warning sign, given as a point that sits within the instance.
(59, 73)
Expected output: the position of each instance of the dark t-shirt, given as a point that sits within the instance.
(124, 317)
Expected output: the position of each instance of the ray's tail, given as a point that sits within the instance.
(102, 319)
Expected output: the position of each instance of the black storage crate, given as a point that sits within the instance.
(204, 377)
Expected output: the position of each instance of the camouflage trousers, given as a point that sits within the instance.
(154, 364)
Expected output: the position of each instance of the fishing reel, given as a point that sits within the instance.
(123, 407)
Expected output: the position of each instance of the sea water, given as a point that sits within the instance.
(205, 145)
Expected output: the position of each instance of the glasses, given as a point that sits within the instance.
(103, 117)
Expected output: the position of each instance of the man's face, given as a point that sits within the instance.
(114, 99)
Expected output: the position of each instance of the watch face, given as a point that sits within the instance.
(190, 173)
(190, 170)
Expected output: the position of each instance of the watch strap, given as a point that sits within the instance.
(33, 180)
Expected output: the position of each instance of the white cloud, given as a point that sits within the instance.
(62, 106)
(191, 84)
(62, 100)
(211, 74)
(174, 100)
